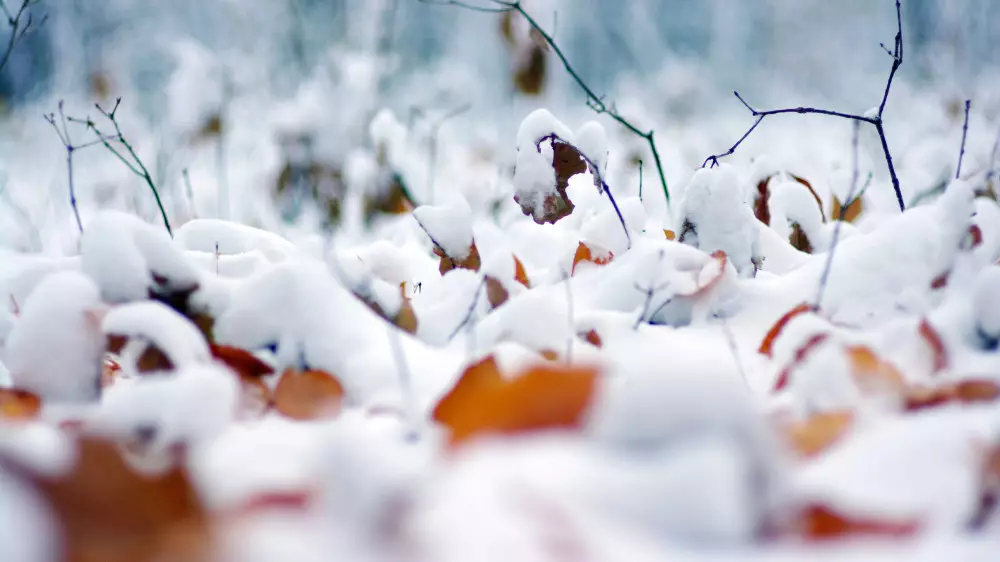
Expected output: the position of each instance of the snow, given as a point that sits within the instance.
(161, 326)
(449, 226)
(55, 348)
(27, 532)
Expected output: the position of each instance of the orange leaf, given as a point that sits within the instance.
(241, 360)
(969, 391)
(591, 253)
(550, 354)
(977, 390)
(519, 275)
(546, 396)
(800, 356)
(767, 345)
(872, 373)
(814, 435)
(16, 404)
(820, 523)
(593, 338)
(108, 512)
(308, 395)
(471, 261)
(933, 339)
(720, 259)
(670, 234)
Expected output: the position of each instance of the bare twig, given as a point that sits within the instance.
(993, 159)
(435, 129)
(472, 310)
(594, 102)
(965, 133)
(825, 277)
(875, 120)
(640, 180)
(405, 384)
(134, 165)
(597, 175)
(17, 32)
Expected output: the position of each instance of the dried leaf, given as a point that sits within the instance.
(941, 281)
(969, 391)
(529, 76)
(850, 214)
(471, 261)
(934, 341)
(241, 361)
(670, 234)
(406, 318)
(308, 395)
(719, 263)
(519, 275)
(799, 240)
(110, 513)
(495, 292)
(591, 253)
(872, 373)
(546, 396)
(819, 523)
(567, 161)
(767, 345)
(593, 338)
(816, 434)
(210, 129)
(801, 354)
(16, 404)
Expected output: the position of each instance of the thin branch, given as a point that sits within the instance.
(874, 120)
(640, 179)
(435, 129)
(594, 102)
(405, 385)
(965, 133)
(993, 158)
(825, 277)
(650, 291)
(471, 312)
(17, 32)
(68, 145)
(134, 165)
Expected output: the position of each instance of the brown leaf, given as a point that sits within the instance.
(591, 253)
(801, 354)
(546, 396)
(16, 404)
(495, 292)
(471, 261)
(822, 523)
(529, 76)
(799, 240)
(814, 435)
(108, 512)
(934, 341)
(767, 345)
(593, 338)
(406, 318)
(567, 161)
(308, 395)
(850, 214)
(210, 129)
(241, 361)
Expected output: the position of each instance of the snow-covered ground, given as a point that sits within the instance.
(389, 357)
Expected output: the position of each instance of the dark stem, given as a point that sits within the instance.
(594, 102)
(965, 133)
(993, 158)
(640, 180)
(876, 120)
(471, 312)
(435, 129)
(825, 277)
(16, 31)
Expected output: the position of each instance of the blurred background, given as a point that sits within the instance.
(221, 96)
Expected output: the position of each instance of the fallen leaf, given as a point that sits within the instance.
(767, 345)
(593, 338)
(308, 395)
(591, 253)
(495, 292)
(406, 318)
(933, 339)
(546, 396)
(850, 214)
(822, 523)
(519, 275)
(471, 261)
(801, 354)
(16, 404)
(872, 373)
(108, 512)
(241, 361)
(815, 434)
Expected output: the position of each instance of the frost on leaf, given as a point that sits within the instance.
(108, 512)
(546, 396)
(591, 253)
(308, 395)
(470, 261)
(19, 404)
